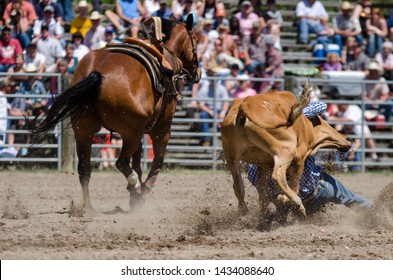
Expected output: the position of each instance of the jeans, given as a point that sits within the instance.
(333, 191)
(253, 66)
(205, 126)
(374, 45)
(340, 40)
(304, 28)
(23, 38)
(68, 13)
(5, 67)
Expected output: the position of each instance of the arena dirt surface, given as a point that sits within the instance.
(189, 215)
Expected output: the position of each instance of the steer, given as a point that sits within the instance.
(270, 131)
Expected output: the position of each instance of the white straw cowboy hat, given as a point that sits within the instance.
(375, 66)
(96, 15)
(30, 68)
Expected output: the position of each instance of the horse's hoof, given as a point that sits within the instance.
(136, 200)
(243, 210)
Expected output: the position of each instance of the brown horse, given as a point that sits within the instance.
(115, 90)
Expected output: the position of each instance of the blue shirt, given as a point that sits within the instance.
(129, 8)
(308, 182)
(162, 14)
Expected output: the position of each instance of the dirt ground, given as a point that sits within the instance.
(189, 215)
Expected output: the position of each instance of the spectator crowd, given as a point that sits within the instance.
(235, 45)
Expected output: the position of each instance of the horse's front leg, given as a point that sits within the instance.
(160, 141)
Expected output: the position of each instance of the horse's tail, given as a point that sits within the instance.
(71, 102)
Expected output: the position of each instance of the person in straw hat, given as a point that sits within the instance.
(344, 26)
(379, 91)
(32, 86)
(81, 23)
(97, 32)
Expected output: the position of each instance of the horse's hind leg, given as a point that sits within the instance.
(123, 164)
(84, 170)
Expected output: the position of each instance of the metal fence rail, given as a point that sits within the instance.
(185, 142)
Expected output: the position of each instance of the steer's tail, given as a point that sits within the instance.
(72, 101)
(297, 109)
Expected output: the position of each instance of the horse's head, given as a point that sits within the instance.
(183, 43)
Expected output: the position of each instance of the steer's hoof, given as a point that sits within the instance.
(136, 200)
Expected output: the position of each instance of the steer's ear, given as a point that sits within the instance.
(190, 21)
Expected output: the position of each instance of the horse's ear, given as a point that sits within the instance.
(190, 21)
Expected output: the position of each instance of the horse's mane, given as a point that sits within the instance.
(168, 24)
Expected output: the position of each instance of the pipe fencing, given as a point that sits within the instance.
(185, 142)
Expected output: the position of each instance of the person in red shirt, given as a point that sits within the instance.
(10, 49)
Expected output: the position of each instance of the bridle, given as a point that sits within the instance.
(184, 72)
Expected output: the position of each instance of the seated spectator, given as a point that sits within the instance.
(129, 14)
(362, 12)
(273, 13)
(230, 84)
(223, 58)
(310, 15)
(108, 38)
(385, 60)
(35, 57)
(221, 19)
(164, 11)
(20, 25)
(203, 42)
(378, 91)
(66, 77)
(29, 14)
(70, 58)
(57, 10)
(207, 9)
(377, 30)
(254, 48)
(228, 41)
(10, 49)
(17, 68)
(345, 25)
(55, 28)
(81, 23)
(188, 7)
(32, 86)
(209, 109)
(333, 62)
(274, 63)
(247, 19)
(96, 32)
(273, 29)
(356, 59)
(211, 35)
(234, 28)
(389, 22)
(150, 6)
(353, 113)
(50, 47)
(244, 88)
(80, 50)
(260, 86)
